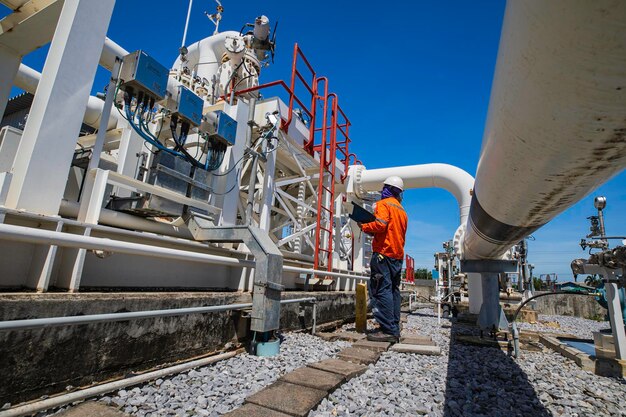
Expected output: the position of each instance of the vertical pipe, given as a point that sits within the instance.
(252, 182)
(104, 119)
(314, 329)
(186, 25)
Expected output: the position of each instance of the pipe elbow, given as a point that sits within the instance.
(453, 179)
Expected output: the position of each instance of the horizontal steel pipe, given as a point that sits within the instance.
(112, 317)
(28, 324)
(556, 126)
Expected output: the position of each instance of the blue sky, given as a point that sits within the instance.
(414, 78)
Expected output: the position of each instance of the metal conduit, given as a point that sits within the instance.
(134, 315)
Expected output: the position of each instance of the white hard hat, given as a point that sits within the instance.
(395, 181)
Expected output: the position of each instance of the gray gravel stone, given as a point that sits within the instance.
(476, 381)
(464, 381)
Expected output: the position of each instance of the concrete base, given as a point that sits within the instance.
(362, 356)
(45, 361)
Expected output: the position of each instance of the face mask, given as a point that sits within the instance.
(386, 193)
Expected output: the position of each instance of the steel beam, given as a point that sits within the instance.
(30, 26)
(56, 115)
(9, 64)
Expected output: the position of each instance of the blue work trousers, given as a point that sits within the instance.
(384, 292)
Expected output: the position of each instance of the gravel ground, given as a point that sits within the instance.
(475, 381)
(579, 327)
(464, 381)
(219, 388)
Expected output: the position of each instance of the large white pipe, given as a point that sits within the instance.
(205, 56)
(556, 127)
(110, 51)
(448, 177)
(28, 79)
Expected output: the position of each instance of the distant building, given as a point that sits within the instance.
(574, 287)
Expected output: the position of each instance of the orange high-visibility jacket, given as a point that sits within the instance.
(389, 228)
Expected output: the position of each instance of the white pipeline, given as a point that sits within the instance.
(448, 177)
(205, 56)
(28, 79)
(556, 126)
(64, 399)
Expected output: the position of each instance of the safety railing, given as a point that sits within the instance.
(409, 275)
(297, 78)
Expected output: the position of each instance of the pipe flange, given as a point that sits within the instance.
(357, 174)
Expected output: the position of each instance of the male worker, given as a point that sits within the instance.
(389, 231)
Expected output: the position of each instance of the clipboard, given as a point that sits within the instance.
(360, 215)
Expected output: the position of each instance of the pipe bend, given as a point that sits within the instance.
(453, 179)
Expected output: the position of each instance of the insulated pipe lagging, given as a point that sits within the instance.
(205, 56)
(556, 126)
(28, 79)
(448, 177)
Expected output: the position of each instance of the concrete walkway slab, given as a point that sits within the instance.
(313, 378)
(419, 349)
(253, 410)
(362, 356)
(350, 336)
(347, 370)
(329, 337)
(92, 409)
(373, 346)
(419, 340)
(287, 398)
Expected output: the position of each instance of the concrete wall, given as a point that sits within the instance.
(43, 362)
(570, 305)
(425, 288)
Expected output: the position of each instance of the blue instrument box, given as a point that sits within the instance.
(141, 72)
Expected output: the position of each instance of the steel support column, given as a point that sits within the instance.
(9, 64)
(267, 270)
(268, 187)
(56, 115)
(230, 184)
(490, 315)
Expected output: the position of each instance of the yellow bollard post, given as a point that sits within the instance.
(361, 308)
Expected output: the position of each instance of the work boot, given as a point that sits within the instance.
(382, 337)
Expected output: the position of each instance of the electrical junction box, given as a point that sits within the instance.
(187, 105)
(220, 126)
(141, 72)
